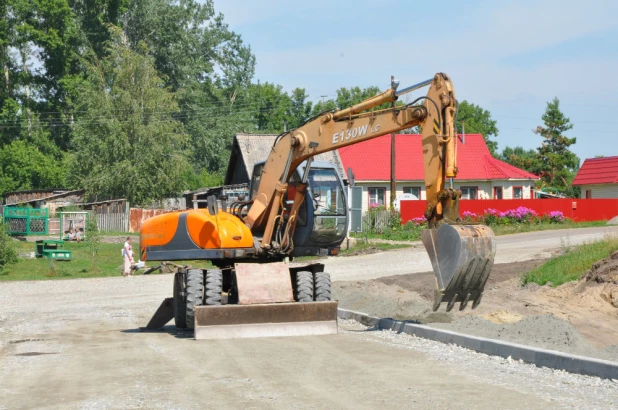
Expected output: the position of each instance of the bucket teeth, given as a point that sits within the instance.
(452, 302)
(464, 303)
(437, 301)
(462, 257)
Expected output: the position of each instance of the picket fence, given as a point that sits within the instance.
(118, 222)
(376, 221)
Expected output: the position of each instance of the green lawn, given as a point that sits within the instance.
(572, 264)
(108, 263)
(520, 228)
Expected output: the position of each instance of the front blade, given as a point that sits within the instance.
(266, 320)
(462, 257)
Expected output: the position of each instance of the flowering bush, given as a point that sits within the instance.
(556, 217)
(418, 221)
(470, 216)
(519, 215)
(492, 217)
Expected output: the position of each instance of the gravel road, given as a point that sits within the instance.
(77, 344)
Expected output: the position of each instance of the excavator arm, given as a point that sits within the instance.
(352, 125)
(461, 255)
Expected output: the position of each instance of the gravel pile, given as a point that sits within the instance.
(544, 331)
(386, 301)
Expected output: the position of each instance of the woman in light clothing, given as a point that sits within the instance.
(127, 253)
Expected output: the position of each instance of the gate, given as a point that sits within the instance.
(26, 221)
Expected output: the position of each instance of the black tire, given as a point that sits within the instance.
(195, 294)
(304, 286)
(214, 287)
(180, 301)
(322, 287)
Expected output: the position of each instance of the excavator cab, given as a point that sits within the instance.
(322, 222)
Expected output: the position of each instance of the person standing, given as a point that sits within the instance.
(127, 253)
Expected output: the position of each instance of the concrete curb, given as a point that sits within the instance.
(539, 357)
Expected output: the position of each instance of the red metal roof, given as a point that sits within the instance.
(597, 171)
(370, 160)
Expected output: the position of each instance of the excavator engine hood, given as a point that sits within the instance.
(462, 257)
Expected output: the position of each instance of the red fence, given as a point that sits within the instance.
(139, 215)
(576, 209)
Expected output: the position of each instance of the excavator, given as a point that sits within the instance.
(297, 207)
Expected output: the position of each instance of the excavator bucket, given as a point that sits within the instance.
(462, 257)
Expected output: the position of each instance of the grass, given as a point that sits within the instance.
(573, 263)
(361, 247)
(520, 228)
(108, 263)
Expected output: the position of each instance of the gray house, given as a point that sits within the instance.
(247, 149)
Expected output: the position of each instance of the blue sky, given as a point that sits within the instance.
(510, 57)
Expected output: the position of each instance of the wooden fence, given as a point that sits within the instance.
(376, 221)
(118, 222)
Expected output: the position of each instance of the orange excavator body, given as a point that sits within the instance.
(206, 231)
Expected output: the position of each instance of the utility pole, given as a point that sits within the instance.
(323, 101)
(393, 162)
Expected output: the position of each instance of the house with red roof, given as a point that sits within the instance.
(598, 178)
(480, 175)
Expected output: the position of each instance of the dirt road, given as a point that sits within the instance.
(509, 248)
(76, 344)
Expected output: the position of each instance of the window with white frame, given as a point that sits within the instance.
(414, 190)
(469, 192)
(376, 196)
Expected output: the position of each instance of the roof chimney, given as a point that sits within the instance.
(463, 132)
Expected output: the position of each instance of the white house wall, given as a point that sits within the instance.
(485, 188)
(601, 191)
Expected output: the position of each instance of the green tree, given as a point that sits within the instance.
(8, 254)
(270, 106)
(558, 164)
(300, 110)
(190, 42)
(93, 240)
(347, 97)
(126, 142)
(524, 159)
(24, 165)
(478, 121)
(212, 118)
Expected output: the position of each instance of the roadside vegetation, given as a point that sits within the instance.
(517, 220)
(573, 263)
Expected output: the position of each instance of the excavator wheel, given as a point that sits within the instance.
(214, 285)
(195, 294)
(303, 291)
(322, 287)
(180, 301)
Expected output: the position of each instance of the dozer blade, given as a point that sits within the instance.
(266, 320)
(462, 257)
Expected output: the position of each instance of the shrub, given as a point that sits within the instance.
(8, 254)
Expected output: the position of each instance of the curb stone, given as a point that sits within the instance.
(533, 355)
